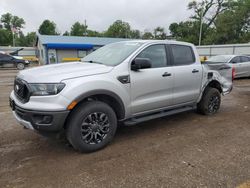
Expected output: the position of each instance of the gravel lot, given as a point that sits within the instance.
(184, 150)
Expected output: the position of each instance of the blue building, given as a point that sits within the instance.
(55, 48)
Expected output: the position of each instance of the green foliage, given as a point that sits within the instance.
(48, 28)
(234, 24)
(159, 33)
(9, 20)
(91, 33)
(135, 34)
(66, 33)
(185, 31)
(28, 40)
(5, 37)
(119, 29)
(78, 29)
(147, 35)
(224, 22)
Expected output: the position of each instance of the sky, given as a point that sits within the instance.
(144, 15)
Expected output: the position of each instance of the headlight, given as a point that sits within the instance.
(46, 89)
(27, 62)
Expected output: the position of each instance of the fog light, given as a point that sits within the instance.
(46, 120)
(43, 119)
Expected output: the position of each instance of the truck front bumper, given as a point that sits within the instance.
(41, 121)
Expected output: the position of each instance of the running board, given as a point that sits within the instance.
(136, 120)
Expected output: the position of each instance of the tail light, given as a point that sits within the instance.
(233, 73)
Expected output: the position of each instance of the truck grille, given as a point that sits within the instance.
(21, 90)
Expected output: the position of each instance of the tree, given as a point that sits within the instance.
(66, 33)
(10, 25)
(119, 29)
(48, 28)
(206, 12)
(78, 29)
(27, 41)
(147, 35)
(159, 33)
(9, 21)
(91, 33)
(233, 25)
(31, 39)
(135, 34)
(185, 31)
(5, 37)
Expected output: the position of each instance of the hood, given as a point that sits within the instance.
(63, 71)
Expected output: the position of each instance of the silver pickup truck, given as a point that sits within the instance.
(127, 82)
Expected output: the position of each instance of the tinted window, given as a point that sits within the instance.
(2, 55)
(183, 55)
(244, 59)
(235, 60)
(5, 57)
(157, 55)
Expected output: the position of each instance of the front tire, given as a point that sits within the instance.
(20, 66)
(210, 102)
(91, 126)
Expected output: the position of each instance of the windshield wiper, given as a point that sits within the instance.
(93, 62)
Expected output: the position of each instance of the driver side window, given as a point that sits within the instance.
(156, 54)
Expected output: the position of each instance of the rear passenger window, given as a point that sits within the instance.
(156, 54)
(244, 59)
(183, 55)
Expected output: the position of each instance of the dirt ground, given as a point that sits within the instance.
(184, 150)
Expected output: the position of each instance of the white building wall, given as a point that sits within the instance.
(235, 49)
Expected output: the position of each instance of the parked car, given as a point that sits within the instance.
(127, 82)
(240, 63)
(8, 61)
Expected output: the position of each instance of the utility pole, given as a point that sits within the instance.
(14, 43)
(85, 28)
(201, 27)
(13, 35)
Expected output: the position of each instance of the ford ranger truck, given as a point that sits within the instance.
(125, 82)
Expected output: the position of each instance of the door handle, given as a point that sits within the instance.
(166, 74)
(195, 71)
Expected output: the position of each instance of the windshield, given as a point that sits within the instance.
(219, 59)
(112, 54)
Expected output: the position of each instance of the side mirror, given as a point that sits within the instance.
(140, 63)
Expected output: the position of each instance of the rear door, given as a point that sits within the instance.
(151, 88)
(187, 74)
(239, 71)
(245, 66)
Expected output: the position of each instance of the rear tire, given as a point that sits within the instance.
(210, 102)
(20, 66)
(91, 126)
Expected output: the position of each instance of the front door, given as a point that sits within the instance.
(151, 88)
